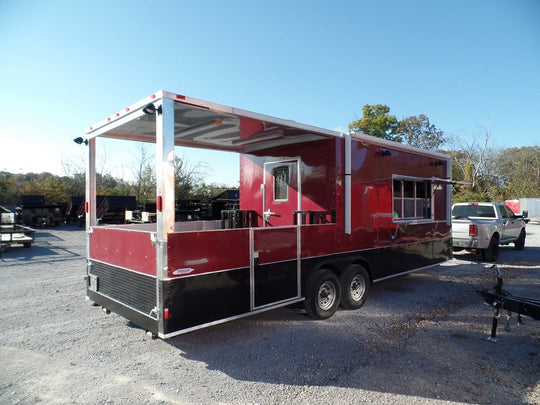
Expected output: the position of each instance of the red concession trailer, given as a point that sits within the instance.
(322, 215)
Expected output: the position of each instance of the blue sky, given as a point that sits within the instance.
(68, 64)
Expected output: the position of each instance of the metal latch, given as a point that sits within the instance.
(267, 214)
(93, 282)
(154, 239)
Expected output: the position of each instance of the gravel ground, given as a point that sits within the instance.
(418, 339)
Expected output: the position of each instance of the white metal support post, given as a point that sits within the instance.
(449, 193)
(90, 198)
(164, 192)
(347, 185)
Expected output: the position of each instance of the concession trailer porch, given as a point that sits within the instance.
(322, 215)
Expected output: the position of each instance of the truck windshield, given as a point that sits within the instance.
(465, 211)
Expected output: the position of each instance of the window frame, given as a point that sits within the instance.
(412, 196)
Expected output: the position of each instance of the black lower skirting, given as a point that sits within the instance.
(193, 301)
(385, 261)
(134, 289)
(147, 323)
(206, 298)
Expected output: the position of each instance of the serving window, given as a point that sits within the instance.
(412, 199)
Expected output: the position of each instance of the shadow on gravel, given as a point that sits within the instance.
(413, 337)
(530, 256)
(46, 247)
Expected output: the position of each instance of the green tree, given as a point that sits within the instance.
(48, 185)
(8, 190)
(418, 131)
(519, 171)
(376, 121)
(75, 184)
(205, 192)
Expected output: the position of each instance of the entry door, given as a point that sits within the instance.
(281, 192)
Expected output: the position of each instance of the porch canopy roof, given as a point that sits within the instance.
(206, 125)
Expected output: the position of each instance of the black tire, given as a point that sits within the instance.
(355, 286)
(323, 294)
(492, 252)
(519, 244)
(27, 244)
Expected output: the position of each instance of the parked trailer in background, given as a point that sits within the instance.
(531, 205)
(13, 233)
(321, 216)
(36, 213)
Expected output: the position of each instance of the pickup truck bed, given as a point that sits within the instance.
(482, 227)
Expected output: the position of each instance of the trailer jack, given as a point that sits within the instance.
(500, 299)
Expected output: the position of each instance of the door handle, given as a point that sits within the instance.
(267, 214)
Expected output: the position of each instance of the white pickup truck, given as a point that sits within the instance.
(482, 227)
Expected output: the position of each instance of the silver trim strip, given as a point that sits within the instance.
(252, 269)
(273, 304)
(205, 273)
(406, 272)
(125, 305)
(232, 318)
(90, 260)
(374, 248)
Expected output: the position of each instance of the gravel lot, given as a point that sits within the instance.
(418, 339)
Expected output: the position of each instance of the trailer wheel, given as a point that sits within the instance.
(492, 252)
(519, 244)
(323, 294)
(355, 284)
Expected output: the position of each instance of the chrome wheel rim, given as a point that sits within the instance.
(327, 295)
(357, 287)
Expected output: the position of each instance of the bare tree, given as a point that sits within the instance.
(471, 155)
(144, 175)
(187, 177)
(75, 170)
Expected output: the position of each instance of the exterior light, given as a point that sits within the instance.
(150, 109)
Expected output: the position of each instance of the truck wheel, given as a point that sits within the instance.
(519, 244)
(323, 294)
(492, 252)
(355, 285)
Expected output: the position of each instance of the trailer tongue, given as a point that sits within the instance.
(322, 215)
(499, 299)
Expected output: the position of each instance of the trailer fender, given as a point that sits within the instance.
(338, 266)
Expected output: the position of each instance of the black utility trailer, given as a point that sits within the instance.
(499, 299)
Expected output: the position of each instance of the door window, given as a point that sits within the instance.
(281, 197)
(506, 212)
(281, 183)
